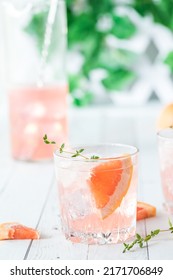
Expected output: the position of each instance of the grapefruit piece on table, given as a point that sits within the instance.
(17, 231)
(109, 183)
(145, 210)
(165, 119)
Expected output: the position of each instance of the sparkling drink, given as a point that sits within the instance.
(165, 146)
(98, 196)
(34, 112)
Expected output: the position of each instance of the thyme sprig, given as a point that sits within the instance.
(46, 141)
(141, 241)
(77, 153)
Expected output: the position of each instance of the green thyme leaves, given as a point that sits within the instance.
(77, 153)
(141, 241)
(46, 141)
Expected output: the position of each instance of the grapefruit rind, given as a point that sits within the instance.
(9, 231)
(145, 210)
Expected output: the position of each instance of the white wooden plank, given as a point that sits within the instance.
(118, 129)
(115, 251)
(84, 126)
(160, 247)
(7, 168)
(53, 244)
(95, 124)
(4, 131)
(146, 127)
(22, 201)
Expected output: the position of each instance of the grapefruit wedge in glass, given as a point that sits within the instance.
(109, 184)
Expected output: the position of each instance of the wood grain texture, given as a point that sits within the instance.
(114, 252)
(22, 201)
(53, 244)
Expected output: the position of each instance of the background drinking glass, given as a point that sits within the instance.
(36, 78)
(165, 146)
(98, 197)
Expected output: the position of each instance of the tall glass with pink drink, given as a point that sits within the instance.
(36, 81)
(165, 147)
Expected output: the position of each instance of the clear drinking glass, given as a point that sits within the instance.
(36, 34)
(165, 147)
(98, 196)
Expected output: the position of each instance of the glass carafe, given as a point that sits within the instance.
(35, 40)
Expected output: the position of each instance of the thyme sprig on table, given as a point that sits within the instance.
(77, 153)
(141, 241)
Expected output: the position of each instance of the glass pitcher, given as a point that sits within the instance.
(36, 33)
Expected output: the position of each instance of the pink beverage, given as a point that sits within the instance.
(35, 112)
(165, 145)
(98, 197)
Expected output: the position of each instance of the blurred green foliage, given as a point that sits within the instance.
(90, 24)
(169, 60)
(162, 12)
(118, 79)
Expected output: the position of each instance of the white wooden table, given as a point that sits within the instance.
(28, 190)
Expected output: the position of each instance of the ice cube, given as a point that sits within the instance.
(79, 203)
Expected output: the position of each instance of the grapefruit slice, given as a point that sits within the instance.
(17, 231)
(145, 210)
(109, 183)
